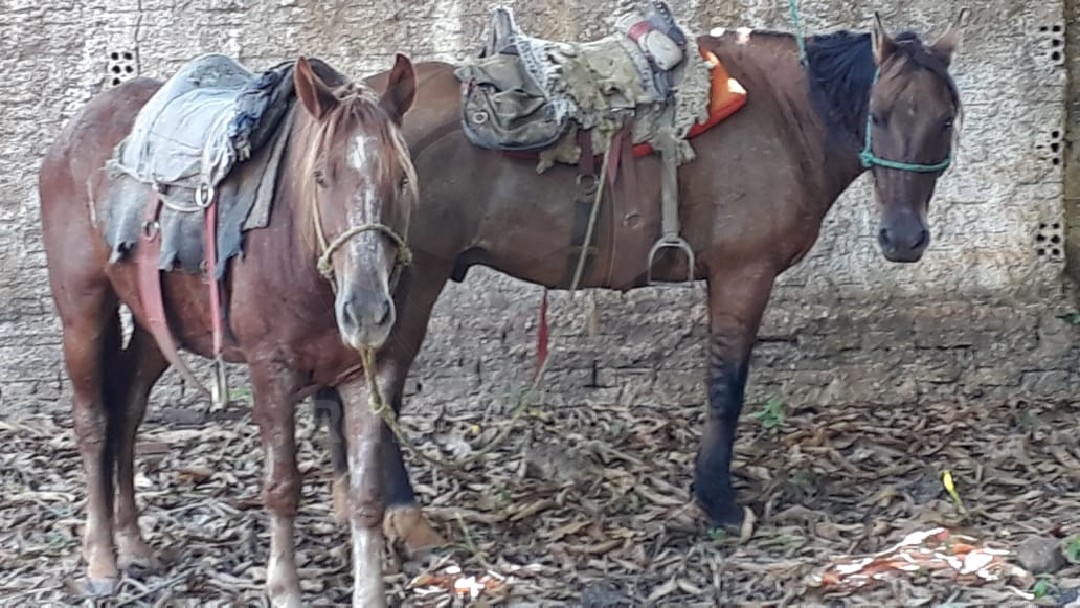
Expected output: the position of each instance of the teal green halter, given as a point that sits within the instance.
(866, 157)
(869, 159)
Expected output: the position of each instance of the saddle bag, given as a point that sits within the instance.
(501, 117)
(504, 106)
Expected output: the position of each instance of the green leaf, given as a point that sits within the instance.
(1072, 549)
(771, 414)
(1043, 588)
(1072, 318)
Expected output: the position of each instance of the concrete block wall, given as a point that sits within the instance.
(977, 318)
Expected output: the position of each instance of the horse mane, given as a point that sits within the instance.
(841, 69)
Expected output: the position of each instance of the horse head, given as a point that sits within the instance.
(363, 189)
(909, 133)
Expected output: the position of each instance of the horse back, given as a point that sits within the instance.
(88, 140)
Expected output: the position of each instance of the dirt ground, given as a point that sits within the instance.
(587, 506)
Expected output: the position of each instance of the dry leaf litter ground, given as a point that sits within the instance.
(585, 507)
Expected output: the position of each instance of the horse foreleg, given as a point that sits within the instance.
(272, 388)
(143, 365)
(736, 301)
(363, 428)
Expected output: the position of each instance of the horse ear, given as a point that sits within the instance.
(400, 89)
(312, 91)
(883, 44)
(951, 39)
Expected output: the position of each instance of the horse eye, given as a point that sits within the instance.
(945, 126)
(878, 119)
(404, 182)
(320, 179)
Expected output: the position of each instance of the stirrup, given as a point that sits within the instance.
(675, 242)
(219, 388)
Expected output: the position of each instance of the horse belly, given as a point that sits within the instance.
(186, 303)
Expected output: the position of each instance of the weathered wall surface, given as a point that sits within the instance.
(977, 317)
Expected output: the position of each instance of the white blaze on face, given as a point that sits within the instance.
(359, 152)
(743, 34)
(363, 157)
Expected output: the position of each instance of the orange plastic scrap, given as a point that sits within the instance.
(958, 555)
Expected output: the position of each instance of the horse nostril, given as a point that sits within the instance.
(349, 320)
(924, 237)
(382, 312)
(885, 236)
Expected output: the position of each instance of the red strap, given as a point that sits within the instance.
(210, 252)
(148, 284)
(638, 30)
(627, 163)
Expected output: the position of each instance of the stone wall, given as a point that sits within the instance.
(977, 318)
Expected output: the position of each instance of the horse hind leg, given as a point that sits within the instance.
(91, 344)
(143, 365)
(328, 410)
(404, 520)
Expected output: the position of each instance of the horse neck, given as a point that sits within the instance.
(827, 152)
(295, 187)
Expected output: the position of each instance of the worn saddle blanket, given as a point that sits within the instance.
(213, 129)
(526, 94)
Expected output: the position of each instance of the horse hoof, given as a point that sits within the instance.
(101, 587)
(137, 555)
(721, 509)
(281, 597)
(140, 563)
(408, 525)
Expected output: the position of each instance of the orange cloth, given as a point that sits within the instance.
(726, 97)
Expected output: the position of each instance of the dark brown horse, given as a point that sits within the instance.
(346, 168)
(751, 205)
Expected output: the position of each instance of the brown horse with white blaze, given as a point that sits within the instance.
(751, 206)
(346, 177)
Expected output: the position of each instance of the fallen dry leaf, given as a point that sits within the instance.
(827, 483)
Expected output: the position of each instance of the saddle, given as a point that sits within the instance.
(209, 116)
(527, 94)
(638, 91)
(209, 144)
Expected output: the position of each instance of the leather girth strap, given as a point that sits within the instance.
(622, 157)
(148, 283)
(582, 209)
(219, 392)
(149, 287)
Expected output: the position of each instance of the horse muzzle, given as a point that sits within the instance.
(364, 316)
(903, 239)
